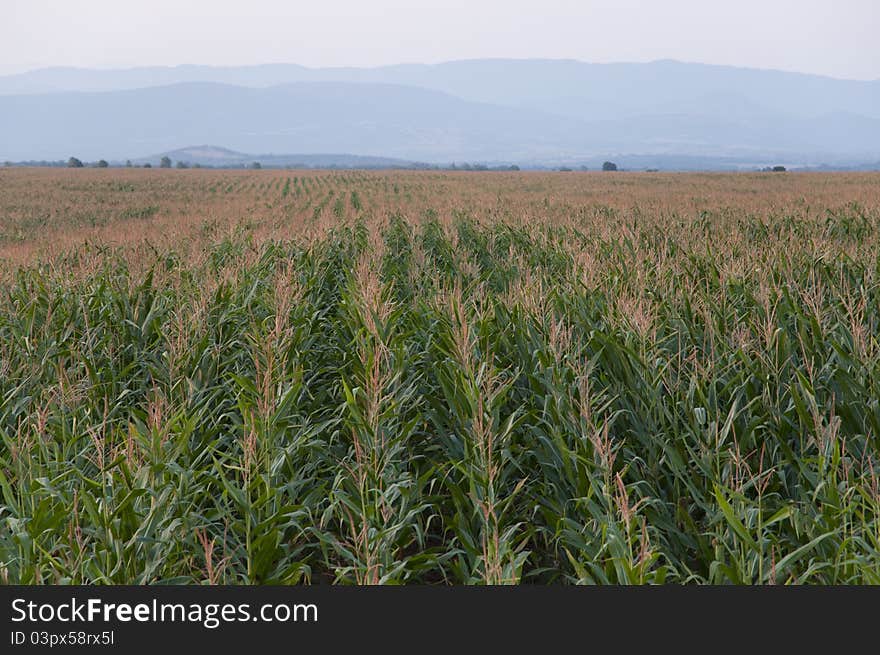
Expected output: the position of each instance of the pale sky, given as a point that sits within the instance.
(828, 37)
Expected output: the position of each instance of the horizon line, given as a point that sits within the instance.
(662, 60)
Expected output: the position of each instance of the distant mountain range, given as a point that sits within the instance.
(516, 111)
(208, 155)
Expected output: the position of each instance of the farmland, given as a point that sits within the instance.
(359, 377)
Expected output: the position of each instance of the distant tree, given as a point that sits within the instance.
(148, 165)
(102, 163)
(128, 163)
(73, 162)
(256, 165)
(182, 164)
(165, 162)
(584, 168)
(513, 167)
(197, 165)
(778, 169)
(564, 169)
(609, 166)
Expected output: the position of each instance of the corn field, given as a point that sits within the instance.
(428, 378)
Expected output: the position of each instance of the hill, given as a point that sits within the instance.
(207, 155)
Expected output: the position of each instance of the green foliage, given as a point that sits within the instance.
(445, 402)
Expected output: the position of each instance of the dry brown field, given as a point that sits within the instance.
(45, 211)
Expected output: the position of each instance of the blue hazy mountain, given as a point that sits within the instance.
(362, 119)
(492, 110)
(565, 86)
